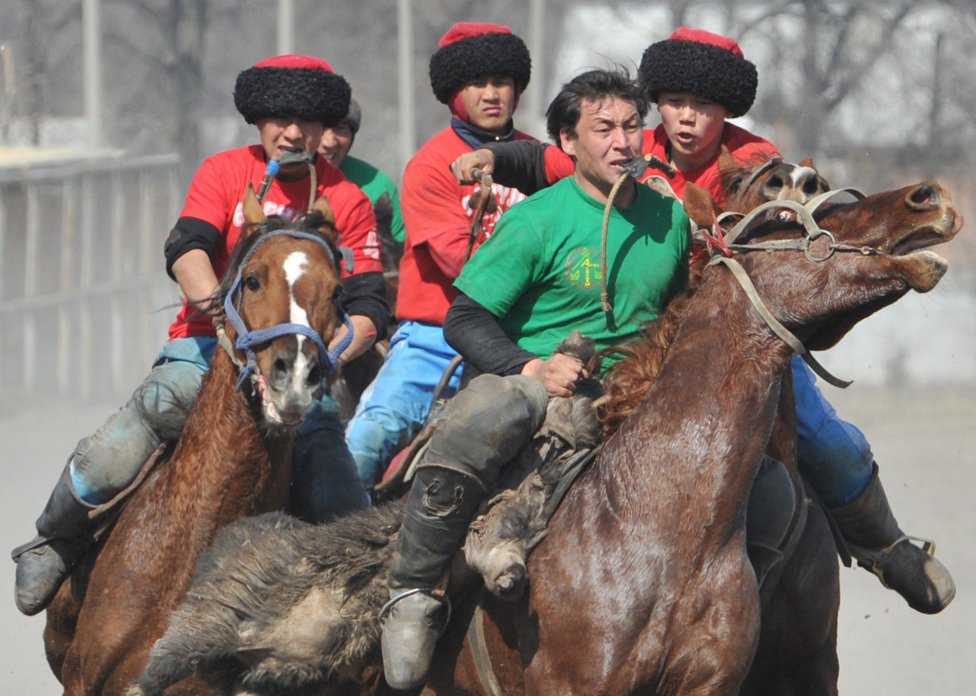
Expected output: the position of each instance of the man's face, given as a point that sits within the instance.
(693, 124)
(336, 143)
(490, 102)
(279, 134)
(608, 135)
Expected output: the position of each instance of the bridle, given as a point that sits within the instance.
(723, 247)
(247, 339)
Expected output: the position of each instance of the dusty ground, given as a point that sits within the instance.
(924, 440)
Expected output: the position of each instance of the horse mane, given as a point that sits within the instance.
(627, 381)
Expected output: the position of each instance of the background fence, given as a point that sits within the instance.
(84, 300)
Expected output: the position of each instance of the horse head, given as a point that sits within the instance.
(768, 179)
(823, 268)
(281, 299)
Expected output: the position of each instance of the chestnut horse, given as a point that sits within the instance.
(232, 459)
(643, 583)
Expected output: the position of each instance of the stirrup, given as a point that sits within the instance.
(869, 559)
(431, 591)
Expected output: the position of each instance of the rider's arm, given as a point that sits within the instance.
(195, 274)
(364, 295)
(527, 165)
(833, 453)
(364, 288)
(474, 332)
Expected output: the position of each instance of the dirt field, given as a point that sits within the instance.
(923, 439)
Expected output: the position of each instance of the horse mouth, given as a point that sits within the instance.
(920, 239)
(274, 415)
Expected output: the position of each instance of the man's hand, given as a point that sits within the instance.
(464, 166)
(559, 374)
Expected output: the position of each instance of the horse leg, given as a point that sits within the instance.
(797, 654)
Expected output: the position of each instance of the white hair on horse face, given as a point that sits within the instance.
(295, 265)
(801, 174)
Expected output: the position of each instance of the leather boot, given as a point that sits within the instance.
(441, 505)
(879, 545)
(482, 429)
(62, 539)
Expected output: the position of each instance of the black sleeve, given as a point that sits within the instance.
(520, 163)
(190, 233)
(474, 332)
(365, 294)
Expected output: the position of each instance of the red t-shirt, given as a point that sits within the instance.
(742, 145)
(437, 219)
(216, 196)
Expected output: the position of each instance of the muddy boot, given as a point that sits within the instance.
(62, 540)
(441, 505)
(482, 429)
(879, 545)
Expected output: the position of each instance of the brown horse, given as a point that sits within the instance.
(643, 583)
(232, 459)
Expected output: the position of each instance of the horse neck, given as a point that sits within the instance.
(703, 426)
(225, 465)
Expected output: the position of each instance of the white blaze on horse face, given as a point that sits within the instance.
(294, 266)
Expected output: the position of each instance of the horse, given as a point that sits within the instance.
(232, 459)
(658, 594)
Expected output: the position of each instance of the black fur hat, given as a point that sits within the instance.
(292, 85)
(701, 63)
(470, 50)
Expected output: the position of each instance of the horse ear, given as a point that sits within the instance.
(726, 162)
(807, 162)
(700, 206)
(253, 212)
(322, 207)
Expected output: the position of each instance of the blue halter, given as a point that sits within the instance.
(246, 340)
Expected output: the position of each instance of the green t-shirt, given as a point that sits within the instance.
(539, 273)
(374, 184)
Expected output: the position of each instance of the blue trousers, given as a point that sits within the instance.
(834, 456)
(105, 462)
(395, 406)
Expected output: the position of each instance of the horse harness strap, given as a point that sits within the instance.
(781, 331)
(804, 212)
(479, 653)
(247, 339)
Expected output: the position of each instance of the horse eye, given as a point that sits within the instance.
(775, 182)
(252, 283)
(785, 216)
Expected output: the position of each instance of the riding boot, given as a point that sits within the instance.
(441, 505)
(875, 540)
(482, 429)
(62, 540)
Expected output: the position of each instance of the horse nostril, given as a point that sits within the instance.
(924, 195)
(314, 377)
(279, 370)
